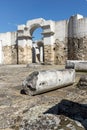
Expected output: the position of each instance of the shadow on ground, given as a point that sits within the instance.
(72, 110)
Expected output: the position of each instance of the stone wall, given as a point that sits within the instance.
(24, 54)
(9, 47)
(14, 48)
(77, 48)
(60, 53)
(10, 54)
(60, 45)
(77, 38)
(77, 26)
(61, 30)
(48, 54)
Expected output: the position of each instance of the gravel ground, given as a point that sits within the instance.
(22, 112)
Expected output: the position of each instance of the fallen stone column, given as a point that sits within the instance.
(76, 64)
(81, 66)
(43, 81)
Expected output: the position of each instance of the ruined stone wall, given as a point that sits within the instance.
(14, 48)
(60, 45)
(61, 30)
(9, 47)
(24, 54)
(10, 54)
(62, 40)
(77, 38)
(48, 40)
(77, 48)
(60, 52)
(77, 26)
(55, 54)
(48, 54)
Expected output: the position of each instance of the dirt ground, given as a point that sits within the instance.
(14, 105)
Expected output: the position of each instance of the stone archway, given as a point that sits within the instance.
(37, 45)
(25, 40)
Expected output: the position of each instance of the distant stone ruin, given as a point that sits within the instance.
(62, 40)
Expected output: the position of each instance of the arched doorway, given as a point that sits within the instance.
(37, 45)
(26, 43)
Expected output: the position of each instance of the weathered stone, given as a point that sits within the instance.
(59, 52)
(25, 54)
(73, 110)
(50, 122)
(82, 82)
(43, 81)
(81, 66)
(10, 54)
(48, 54)
(77, 48)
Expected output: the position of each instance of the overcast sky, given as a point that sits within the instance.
(15, 12)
